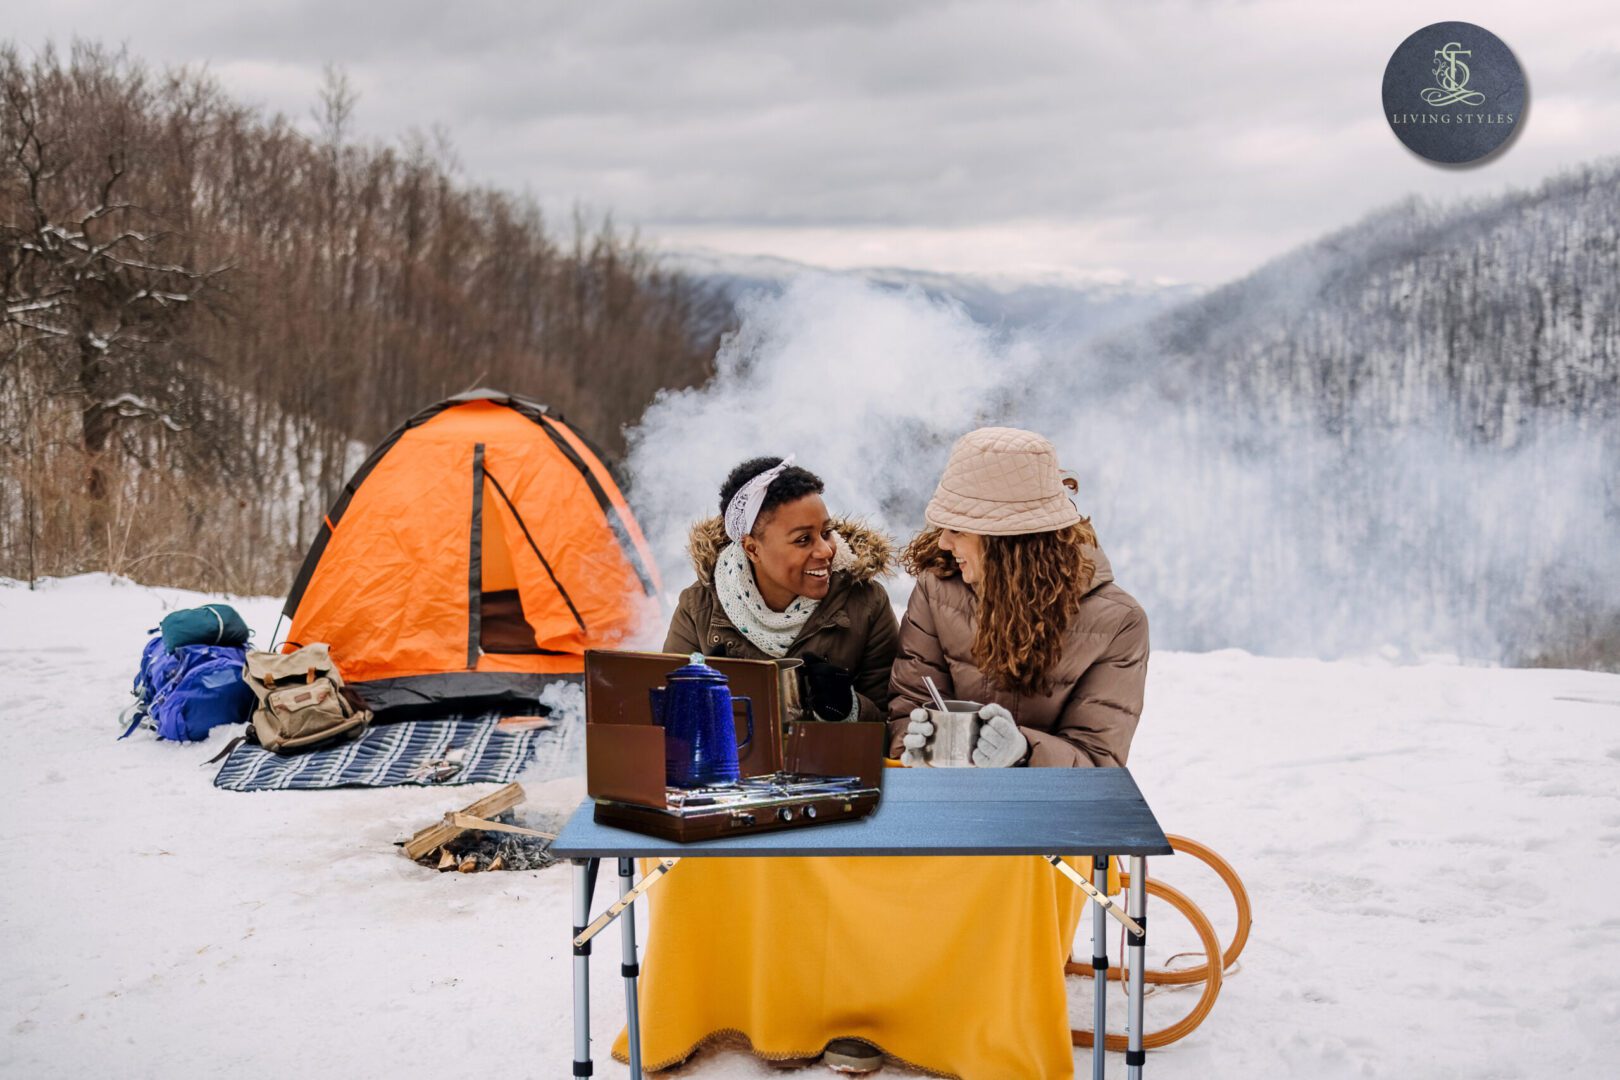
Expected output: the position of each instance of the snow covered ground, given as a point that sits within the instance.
(1430, 852)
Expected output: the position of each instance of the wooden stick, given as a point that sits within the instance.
(1097, 897)
(467, 821)
(437, 835)
(600, 922)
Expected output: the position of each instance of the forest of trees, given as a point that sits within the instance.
(210, 312)
(1489, 317)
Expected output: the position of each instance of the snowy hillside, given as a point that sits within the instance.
(1413, 422)
(1495, 317)
(1070, 305)
(1430, 851)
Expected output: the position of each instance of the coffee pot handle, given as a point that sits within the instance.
(748, 709)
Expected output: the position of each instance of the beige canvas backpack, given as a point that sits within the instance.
(302, 699)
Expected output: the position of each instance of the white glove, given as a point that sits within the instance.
(918, 732)
(1000, 742)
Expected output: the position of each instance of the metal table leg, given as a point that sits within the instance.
(1136, 950)
(1099, 969)
(630, 967)
(584, 886)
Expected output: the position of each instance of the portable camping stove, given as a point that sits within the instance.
(753, 804)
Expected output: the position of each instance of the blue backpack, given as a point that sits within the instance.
(184, 694)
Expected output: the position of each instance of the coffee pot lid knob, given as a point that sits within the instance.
(696, 668)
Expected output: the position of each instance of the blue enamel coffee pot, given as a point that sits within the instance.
(696, 710)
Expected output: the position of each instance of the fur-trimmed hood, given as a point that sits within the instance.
(873, 552)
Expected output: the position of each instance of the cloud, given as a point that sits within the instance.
(1225, 133)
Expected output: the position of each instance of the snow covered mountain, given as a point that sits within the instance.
(1495, 317)
(1417, 422)
(1074, 304)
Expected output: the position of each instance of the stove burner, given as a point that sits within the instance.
(760, 790)
(752, 804)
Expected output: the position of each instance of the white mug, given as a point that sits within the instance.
(956, 732)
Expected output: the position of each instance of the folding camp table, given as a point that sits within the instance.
(1035, 812)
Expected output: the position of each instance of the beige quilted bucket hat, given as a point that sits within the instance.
(1002, 482)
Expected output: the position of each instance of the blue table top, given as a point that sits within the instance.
(933, 812)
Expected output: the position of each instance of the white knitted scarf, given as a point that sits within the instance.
(771, 631)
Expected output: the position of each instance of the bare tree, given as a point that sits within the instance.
(94, 275)
(203, 300)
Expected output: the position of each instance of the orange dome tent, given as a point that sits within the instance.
(477, 553)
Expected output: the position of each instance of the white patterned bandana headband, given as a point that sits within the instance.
(743, 510)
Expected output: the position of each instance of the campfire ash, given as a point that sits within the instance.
(476, 851)
(485, 836)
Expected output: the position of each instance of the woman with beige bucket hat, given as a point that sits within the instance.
(1016, 607)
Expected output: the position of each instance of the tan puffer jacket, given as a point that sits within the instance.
(853, 627)
(1091, 712)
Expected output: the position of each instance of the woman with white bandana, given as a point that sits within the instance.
(778, 577)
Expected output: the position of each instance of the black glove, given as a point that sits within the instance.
(829, 690)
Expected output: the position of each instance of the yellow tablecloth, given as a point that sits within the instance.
(951, 964)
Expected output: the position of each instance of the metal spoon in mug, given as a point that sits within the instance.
(939, 702)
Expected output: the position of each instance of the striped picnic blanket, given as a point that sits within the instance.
(408, 752)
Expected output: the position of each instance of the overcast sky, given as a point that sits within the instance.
(1184, 141)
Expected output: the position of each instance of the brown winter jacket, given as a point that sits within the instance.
(853, 627)
(1089, 716)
